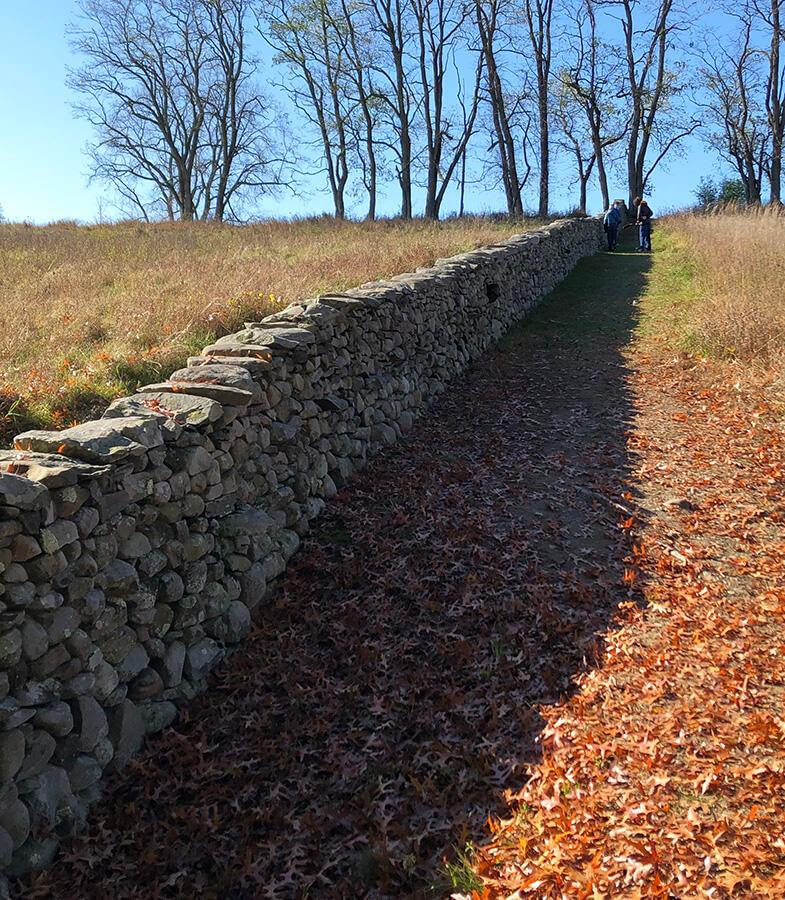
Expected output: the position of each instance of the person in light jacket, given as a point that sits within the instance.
(612, 222)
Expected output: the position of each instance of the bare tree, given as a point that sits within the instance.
(358, 44)
(736, 118)
(770, 14)
(503, 107)
(235, 112)
(656, 125)
(393, 27)
(569, 116)
(166, 84)
(439, 23)
(538, 15)
(303, 33)
(592, 79)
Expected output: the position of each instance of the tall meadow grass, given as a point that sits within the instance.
(88, 312)
(737, 267)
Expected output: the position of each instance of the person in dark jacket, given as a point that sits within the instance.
(612, 222)
(643, 221)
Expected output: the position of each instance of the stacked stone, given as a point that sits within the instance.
(133, 549)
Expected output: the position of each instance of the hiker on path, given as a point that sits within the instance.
(643, 221)
(612, 222)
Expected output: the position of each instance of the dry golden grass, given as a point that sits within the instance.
(735, 269)
(90, 311)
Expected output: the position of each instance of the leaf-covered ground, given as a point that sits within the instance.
(572, 574)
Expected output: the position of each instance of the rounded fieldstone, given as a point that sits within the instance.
(39, 750)
(34, 856)
(148, 683)
(6, 852)
(55, 718)
(90, 722)
(136, 546)
(133, 663)
(34, 640)
(63, 623)
(84, 771)
(103, 752)
(10, 648)
(126, 732)
(238, 621)
(15, 820)
(25, 547)
(12, 753)
(106, 680)
(171, 667)
(158, 716)
(50, 800)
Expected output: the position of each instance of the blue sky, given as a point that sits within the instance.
(43, 167)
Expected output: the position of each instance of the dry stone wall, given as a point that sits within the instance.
(134, 549)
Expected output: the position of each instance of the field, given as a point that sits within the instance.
(719, 287)
(90, 312)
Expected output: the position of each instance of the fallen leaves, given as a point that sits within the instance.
(701, 810)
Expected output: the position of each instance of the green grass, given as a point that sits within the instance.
(672, 297)
(594, 302)
(459, 875)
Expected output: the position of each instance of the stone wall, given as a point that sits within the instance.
(134, 549)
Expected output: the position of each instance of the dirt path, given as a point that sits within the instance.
(392, 694)
(664, 774)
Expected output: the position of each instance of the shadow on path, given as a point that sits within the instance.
(389, 695)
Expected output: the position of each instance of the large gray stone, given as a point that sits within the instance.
(171, 666)
(40, 746)
(15, 820)
(254, 585)
(218, 393)
(12, 753)
(84, 771)
(250, 522)
(182, 408)
(90, 722)
(136, 546)
(238, 620)
(147, 684)
(126, 732)
(133, 663)
(21, 492)
(106, 680)
(58, 535)
(6, 852)
(34, 640)
(49, 797)
(101, 441)
(34, 856)
(10, 648)
(201, 657)
(49, 469)
(24, 548)
(217, 374)
(158, 715)
(120, 576)
(62, 623)
(56, 718)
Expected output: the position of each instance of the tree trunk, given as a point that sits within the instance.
(544, 152)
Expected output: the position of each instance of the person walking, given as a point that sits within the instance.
(612, 222)
(643, 221)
